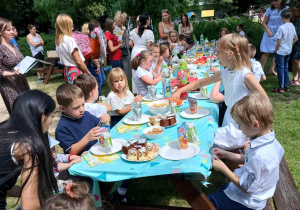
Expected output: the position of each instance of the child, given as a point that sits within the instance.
(256, 66)
(239, 29)
(142, 63)
(120, 98)
(224, 31)
(88, 84)
(286, 37)
(175, 44)
(165, 53)
(255, 182)
(77, 130)
(158, 60)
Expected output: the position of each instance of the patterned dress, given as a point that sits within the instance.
(12, 86)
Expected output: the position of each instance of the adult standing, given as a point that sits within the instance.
(67, 49)
(271, 23)
(11, 82)
(186, 28)
(165, 26)
(120, 20)
(13, 41)
(25, 151)
(36, 44)
(140, 39)
(295, 55)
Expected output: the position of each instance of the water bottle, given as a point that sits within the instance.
(206, 47)
(175, 65)
(165, 72)
(201, 39)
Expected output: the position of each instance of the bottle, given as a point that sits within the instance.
(184, 62)
(165, 72)
(182, 81)
(175, 65)
(206, 47)
(201, 39)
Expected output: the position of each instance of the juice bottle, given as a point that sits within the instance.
(182, 81)
(175, 65)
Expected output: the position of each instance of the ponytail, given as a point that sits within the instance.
(139, 57)
(135, 63)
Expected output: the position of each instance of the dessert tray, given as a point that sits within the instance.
(133, 152)
(171, 151)
(124, 157)
(96, 149)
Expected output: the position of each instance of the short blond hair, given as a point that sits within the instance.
(85, 28)
(63, 26)
(239, 46)
(254, 107)
(67, 93)
(152, 45)
(116, 74)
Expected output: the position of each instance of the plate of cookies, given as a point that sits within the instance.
(139, 150)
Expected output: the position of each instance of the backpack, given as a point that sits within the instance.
(90, 48)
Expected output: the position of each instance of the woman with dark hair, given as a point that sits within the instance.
(271, 23)
(186, 28)
(11, 82)
(140, 38)
(25, 150)
(165, 26)
(113, 44)
(224, 31)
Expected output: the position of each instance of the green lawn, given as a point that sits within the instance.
(159, 190)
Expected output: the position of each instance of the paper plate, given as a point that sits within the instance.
(124, 157)
(171, 151)
(200, 96)
(165, 127)
(96, 149)
(130, 120)
(157, 97)
(202, 112)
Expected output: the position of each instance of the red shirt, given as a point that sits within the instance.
(117, 55)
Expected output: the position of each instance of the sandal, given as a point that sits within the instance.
(277, 90)
(295, 83)
(286, 89)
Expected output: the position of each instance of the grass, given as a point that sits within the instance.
(160, 191)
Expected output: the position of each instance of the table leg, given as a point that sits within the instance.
(195, 197)
(105, 189)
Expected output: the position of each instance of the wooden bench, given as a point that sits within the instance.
(49, 69)
(286, 195)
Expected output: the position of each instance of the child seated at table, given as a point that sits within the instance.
(256, 65)
(175, 44)
(88, 84)
(158, 61)
(77, 130)
(255, 182)
(165, 53)
(120, 97)
(143, 77)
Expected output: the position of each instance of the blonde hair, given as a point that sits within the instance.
(252, 50)
(145, 54)
(169, 39)
(167, 11)
(63, 26)
(116, 74)
(4, 24)
(239, 46)
(120, 18)
(163, 49)
(85, 28)
(152, 45)
(254, 107)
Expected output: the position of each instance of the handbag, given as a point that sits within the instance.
(124, 48)
(95, 47)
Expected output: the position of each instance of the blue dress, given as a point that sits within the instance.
(268, 44)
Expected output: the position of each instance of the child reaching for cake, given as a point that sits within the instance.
(120, 96)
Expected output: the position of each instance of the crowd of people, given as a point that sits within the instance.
(29, 151)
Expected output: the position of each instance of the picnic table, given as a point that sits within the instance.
(197, 166)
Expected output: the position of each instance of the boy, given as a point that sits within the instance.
(239, 29)
(256, 66)
(88, 84)
(286, 37)
(77, 130)
(158, 61)
(255, 182)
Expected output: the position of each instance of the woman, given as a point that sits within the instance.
(224, 31)
(120, 20)
(165, 26)
(271, 23)
(68, 51)
(36, 44)
(295, 55)
(11, 82)
(113, 44)
(140, 39)
(186, 28)
(25, 150)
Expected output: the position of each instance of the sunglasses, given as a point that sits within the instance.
(165, 10)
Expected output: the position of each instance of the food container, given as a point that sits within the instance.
(154, 136)
(159, 107)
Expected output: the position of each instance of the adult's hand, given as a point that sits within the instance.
(269, 32)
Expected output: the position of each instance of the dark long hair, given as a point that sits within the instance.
(143, 21)
(282, 5)
(109, 25)
(187, 20)
(26, 123)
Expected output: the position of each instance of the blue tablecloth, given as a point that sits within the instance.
(120, 169)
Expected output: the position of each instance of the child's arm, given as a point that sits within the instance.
(277, 45)
(263, 78)
(65, 166)
(252, 83)
(127, 109)
(215, 95)
(146, 79)
(108, 107)
(295, 40)
(96, 62)
(158, 64)
(239, 158)
(105, 118)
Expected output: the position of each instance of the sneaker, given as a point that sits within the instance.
(117, 198)
(41, 80)
(286, 89)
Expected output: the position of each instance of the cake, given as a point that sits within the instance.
(132, 154)
(126, 147)
(142, 142)
(133, 141)
(150, 151)
(165, 120)
(140, 151)
(142, 154)
(155, 147)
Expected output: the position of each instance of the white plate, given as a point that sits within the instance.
(130, 120)
(200, 96)
(171, 151)
(164, 127)
(157, 97)
(202, 112)
(124, 157)
(96, 149)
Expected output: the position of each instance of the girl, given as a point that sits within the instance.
(114, 44)
(157, 59)
(175, 44)
(25, 150)
(224, 31)
(142, 63)
(67, 49)
(233, 53)
(120, 96)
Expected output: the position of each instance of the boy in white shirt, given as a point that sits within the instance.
(256, 65)
(88, 84)
(239, 29)
(286, 37)
(255, 182)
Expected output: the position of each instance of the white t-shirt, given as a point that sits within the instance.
(242, 33)
(140, 85)
(65, 50)
(95, 109)
(119, 103)
(259, 174)
(286, 33)
(154, 63)
(257, 69)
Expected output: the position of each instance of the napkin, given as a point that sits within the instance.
(125, 128)
(94, 160)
